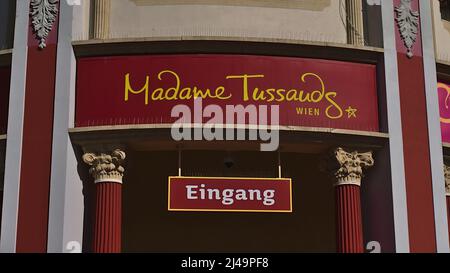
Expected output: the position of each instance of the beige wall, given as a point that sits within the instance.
(309, 20)
(442, 36)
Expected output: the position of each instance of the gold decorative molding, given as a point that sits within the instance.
(313, 5)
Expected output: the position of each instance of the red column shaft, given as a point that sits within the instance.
(108, 218)
(349, 221)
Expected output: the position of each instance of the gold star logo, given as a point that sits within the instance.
(351, 112)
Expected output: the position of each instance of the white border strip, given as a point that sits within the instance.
(434, 128)
(15, 130)
(395, 129)
(66, 208)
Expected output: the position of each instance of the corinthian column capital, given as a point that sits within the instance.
(106, 167)
(351, 166)
(447, 179)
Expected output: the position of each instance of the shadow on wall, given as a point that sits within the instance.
(312, 5)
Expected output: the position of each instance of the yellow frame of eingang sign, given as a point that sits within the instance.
(231, 210)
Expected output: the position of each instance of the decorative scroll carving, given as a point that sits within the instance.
(408, 24)
(447, 179)
(105, 167)
(351, 166)
(43, 14)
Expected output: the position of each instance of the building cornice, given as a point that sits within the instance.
(227, 45)
(230, 39)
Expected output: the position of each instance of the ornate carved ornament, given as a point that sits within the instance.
(105, 167)
(351, 166)
(43, 14)
(447, 179)
(408, 25)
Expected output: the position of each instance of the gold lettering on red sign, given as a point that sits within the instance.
(249, 90)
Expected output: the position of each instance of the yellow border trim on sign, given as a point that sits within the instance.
(231, 178)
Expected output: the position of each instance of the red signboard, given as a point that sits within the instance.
(5, 76)
(230, 194)
(144, 89)
(444, 109)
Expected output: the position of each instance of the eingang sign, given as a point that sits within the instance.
(229, 194)
(144, 89)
